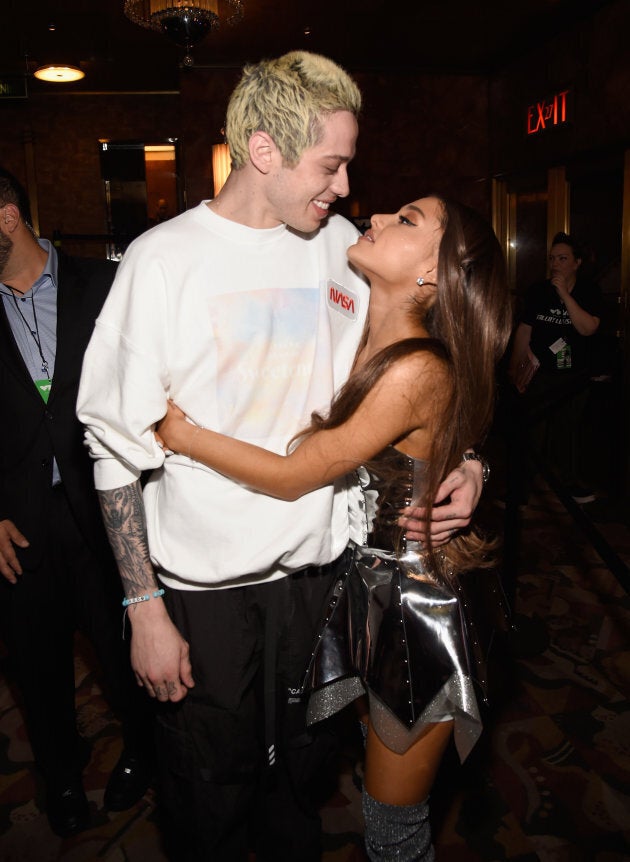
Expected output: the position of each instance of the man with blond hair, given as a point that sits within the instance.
(246, 313)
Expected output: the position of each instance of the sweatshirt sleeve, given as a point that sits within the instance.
(124, 380)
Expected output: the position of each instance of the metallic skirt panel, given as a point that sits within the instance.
(392, 629)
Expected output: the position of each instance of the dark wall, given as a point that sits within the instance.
(590, 62)
(64, 132)
(591, 59)
(427, 133)
(422, 134)
(204, 97)
(417, 134)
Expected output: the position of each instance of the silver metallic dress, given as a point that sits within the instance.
(394, 629)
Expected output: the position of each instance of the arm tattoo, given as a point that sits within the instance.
(126, 528)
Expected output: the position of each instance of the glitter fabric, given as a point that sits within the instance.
(395, 628)
(332, 698)
(397, 833)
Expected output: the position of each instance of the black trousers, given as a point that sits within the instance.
(219, 794)
(70, 590)
(548, 419)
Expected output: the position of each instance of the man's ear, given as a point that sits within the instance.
(10, 218)
(262, 151)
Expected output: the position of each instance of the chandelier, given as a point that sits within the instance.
(185, 22)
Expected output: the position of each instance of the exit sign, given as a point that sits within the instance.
(13, 87)
(551, 111)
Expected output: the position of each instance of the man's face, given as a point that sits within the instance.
(6, 246)
(300, 196)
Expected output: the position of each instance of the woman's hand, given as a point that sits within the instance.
(562, 285)
(525, 370)
(173, 431)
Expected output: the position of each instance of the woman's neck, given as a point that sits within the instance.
(390, 321)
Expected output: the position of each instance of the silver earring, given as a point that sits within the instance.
(420, 281)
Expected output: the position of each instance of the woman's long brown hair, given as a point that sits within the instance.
(469, 325)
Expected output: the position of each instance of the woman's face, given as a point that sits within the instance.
(401, 247)
(563, 262)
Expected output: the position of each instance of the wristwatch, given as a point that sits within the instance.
(485, 467)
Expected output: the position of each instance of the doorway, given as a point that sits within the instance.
(142, 188)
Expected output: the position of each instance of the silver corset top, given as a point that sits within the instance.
(398, 480)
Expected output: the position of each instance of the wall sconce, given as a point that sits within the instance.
(221, 166)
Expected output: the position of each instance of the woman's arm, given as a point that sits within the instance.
(403, 400)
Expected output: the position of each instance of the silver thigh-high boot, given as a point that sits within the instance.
(397, 833)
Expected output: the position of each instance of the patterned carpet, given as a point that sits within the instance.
(550, 780)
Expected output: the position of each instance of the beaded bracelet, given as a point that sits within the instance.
(145, 598)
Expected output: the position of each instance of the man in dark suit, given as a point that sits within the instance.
(58, 574)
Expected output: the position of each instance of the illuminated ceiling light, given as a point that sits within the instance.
(59, 73)
(54, 69)
(185, 22)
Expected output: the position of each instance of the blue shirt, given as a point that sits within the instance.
(33, 317)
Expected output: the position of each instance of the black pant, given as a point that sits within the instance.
(218, 792)
(71, 589)
(547, 419)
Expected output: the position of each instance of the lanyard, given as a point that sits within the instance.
(34, 333)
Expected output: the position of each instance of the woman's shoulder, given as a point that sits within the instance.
(420, 365)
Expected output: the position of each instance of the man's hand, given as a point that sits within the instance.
(463, 486)
(9, 563)
(159, 654)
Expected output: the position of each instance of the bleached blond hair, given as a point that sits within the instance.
(287, 97)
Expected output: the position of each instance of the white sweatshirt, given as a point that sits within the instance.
(248, 331)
